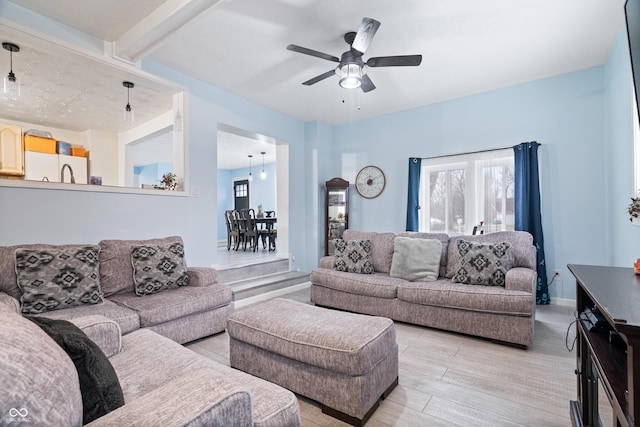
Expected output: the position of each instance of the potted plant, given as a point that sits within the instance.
(634, 209)
(260, 212)
(168, 182)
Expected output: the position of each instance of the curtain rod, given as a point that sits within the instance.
(477, 152)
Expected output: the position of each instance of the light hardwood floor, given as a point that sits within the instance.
(448, 379)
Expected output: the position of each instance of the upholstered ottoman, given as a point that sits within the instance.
(347, 362)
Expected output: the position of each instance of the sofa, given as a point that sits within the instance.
(181, 313)
(504, 312)
(162, 383)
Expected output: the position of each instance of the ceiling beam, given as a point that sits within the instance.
(148, 34)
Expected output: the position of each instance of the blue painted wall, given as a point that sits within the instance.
(582, 120)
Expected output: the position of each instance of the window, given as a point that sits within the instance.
(242, 190)
(459, 192)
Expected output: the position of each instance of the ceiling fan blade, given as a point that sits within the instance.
(366, 84)
(395, 61)
(312, 52)
(321, 77)
(367, 30)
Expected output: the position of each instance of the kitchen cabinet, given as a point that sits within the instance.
(11, 150)
(48, 167)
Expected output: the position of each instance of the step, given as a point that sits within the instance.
(255, 286)
(253, 270)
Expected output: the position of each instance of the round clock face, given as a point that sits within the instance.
(370, 182)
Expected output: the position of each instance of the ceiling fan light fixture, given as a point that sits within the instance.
(11, 83)
(350, 76)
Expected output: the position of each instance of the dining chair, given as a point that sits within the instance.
(232, 232)
(250, 228)
(238, 227)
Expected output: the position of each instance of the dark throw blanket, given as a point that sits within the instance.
(99, 385)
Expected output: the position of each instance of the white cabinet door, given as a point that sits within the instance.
(77, 164)
(11, 150)
(41, 167)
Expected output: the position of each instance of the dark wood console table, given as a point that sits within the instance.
(608, 351)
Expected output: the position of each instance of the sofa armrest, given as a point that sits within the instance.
(521, 279)
(8, 302)
(101, 330)
(328, 262)
(190, 400)
(202, 276)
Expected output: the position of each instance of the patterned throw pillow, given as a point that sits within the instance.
(482, 263)
(353, 256)
(158, 268)
(53, 279)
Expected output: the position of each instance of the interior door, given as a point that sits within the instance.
(241, 194)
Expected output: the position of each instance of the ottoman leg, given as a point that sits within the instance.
(353, 420)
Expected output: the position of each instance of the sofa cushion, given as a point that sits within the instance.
(157, 268)
(381, 247)
(482, 263)
(126, 318)
(353, 256)
(116, 271)
(174, 304)
(445, 293)
(378, 285)
(99, 385)
(416, 259)
(102, 331)
(523, 252)
(57, 278)
(37, 375)
(272, 405)
(442, 237)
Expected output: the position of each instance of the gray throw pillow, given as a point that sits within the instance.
(158, 268)
(416, 260)
(57, 278)
(482, 263)
(353, 256)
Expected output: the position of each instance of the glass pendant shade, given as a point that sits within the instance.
(250, 175)
(11, 84)
(128, 111)
(350, 76)
(263, 174)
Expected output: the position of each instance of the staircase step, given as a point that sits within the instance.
(260, 285)
(257, 269)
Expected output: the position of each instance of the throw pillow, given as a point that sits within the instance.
(158, 268)
(416, 260)
(99, 385)
(482, 263)
(57, 278)
(353, 256)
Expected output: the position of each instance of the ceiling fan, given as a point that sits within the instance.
(351, 67)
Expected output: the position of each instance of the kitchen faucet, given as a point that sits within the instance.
(66, 165)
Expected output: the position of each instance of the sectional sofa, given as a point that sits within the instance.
(503, 313)
(137, 325)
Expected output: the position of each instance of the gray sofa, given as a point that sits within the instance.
(500, 313)
(182, 314)
(163, 383)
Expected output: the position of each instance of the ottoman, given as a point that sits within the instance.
(345, 361)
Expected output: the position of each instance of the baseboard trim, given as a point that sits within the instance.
(565, 302)
(268, 295)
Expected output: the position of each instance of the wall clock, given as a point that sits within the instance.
(370, 181)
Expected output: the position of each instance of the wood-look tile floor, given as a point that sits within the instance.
(448, 379)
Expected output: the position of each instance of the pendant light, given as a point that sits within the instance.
(11, 83)
(263, 174)
(128, 111)
(250, 176)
